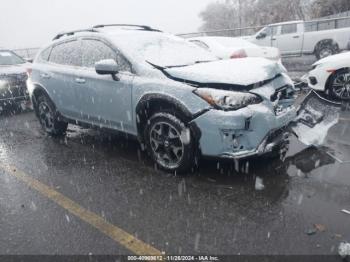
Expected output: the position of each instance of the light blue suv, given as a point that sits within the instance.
(176, 98)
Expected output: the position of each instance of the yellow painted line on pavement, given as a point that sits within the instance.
(117, 234)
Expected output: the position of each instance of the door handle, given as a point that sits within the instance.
(80, 80)
(273, 39)
(44, 75)
(296, 36)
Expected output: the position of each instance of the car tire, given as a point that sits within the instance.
(49, 117)
(169, 143)
(339, 85)
(325, 50)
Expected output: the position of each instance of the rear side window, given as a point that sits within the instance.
(274, 30)
(289, 29)
(68, 53)
(94, 51)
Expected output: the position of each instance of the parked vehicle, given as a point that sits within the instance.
(13, 76)
(229, 47)
(299, 37)
(332, 75)
(179, 100)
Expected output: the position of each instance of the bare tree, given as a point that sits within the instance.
(322, 8)
(230, 14)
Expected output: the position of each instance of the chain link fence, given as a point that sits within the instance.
(27, 53)
(340, 20)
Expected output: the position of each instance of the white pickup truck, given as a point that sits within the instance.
(321, 38)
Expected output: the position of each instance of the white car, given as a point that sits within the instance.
(229, 47)
(332, 75)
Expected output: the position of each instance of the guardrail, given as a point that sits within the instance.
(312, 25)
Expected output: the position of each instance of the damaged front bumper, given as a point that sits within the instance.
(273, 140)
(251, 131)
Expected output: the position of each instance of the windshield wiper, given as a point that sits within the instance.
(173, 66)
(204, 61)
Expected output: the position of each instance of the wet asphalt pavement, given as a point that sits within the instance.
(294, 207)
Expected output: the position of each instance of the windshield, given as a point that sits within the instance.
(163, 49)
(10, 58)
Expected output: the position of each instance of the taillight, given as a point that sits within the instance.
(239, 54)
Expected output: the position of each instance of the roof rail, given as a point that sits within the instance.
(68, 33)
(140, 27)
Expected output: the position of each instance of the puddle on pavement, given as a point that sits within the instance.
(320, 119)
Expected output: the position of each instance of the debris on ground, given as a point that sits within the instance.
(316, 228)
(259, 184)
(344, 249)
(346, 211)
(320, 227)
(311, 231)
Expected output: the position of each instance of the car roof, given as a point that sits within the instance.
(107, 29)
(288, 23)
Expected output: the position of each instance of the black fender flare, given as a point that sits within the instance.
(39, 90)
(152, 102)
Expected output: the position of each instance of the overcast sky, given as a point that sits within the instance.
(32, 23)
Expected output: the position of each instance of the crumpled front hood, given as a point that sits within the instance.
(241, 72)
(12, 69)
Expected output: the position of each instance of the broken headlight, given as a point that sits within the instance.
(227, 100)
(3, 84)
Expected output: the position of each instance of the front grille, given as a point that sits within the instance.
(283, 98)
(13, 86)
(282, 93)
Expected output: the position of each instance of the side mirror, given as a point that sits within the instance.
(29, 60)
(107, 67)
(261, 35)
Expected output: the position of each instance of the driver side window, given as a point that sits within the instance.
(95, 51)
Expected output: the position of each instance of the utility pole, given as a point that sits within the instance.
(240, 16)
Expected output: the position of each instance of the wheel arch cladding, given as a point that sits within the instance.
(152, 103)
(37, 91)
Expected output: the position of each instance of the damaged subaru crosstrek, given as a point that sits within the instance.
(176, 98)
